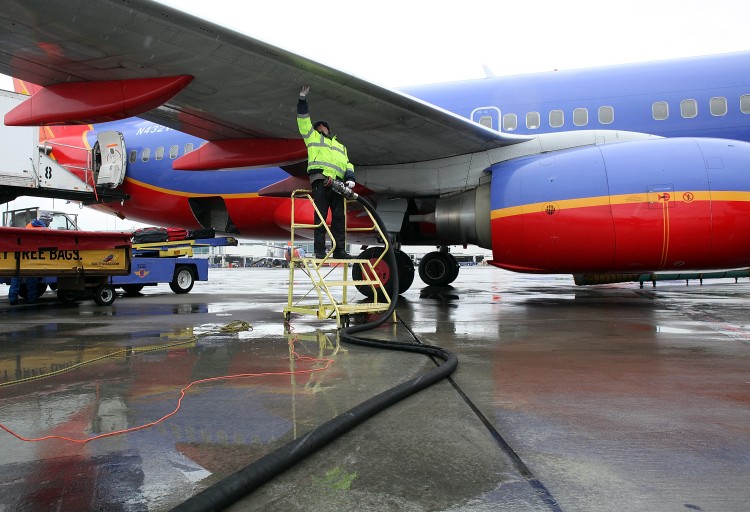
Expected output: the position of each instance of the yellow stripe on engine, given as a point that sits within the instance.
(643, 197)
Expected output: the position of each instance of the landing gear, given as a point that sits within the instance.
(438, 268)
(405, 271)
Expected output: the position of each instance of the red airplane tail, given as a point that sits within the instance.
(23, 87)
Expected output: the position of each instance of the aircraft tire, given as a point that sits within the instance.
(405, 271)
(455, 267)
(438, 268)
(382, 269)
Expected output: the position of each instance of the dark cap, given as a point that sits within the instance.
(318, 123)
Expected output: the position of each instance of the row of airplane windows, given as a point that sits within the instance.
(717, 106)
(174, 152)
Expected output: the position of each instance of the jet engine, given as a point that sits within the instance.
(464, 218)
(658, 204)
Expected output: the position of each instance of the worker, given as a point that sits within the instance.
(32, 283)
(293, 253)
(327, 160)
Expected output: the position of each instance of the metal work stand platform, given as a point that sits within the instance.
(327, 294)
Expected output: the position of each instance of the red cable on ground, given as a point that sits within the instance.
(297, 357)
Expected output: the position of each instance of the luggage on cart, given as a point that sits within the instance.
(150, 235)
(176, 234)
(202, 233)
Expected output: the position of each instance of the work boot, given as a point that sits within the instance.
(342, 255)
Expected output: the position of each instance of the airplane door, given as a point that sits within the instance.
(487, 116)
(110, 159)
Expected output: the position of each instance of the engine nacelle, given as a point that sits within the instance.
(464, 218)
(661, 204)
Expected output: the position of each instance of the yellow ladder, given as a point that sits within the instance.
(330, 277)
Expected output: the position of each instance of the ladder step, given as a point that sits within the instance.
(348, 283)
(362, 308)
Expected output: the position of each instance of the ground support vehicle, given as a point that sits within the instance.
(82, 263)
(168, 262)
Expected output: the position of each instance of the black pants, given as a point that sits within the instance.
(325, 198)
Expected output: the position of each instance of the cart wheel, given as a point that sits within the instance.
(104, 295)
(132, 289)
(23, 290)
(183, 280)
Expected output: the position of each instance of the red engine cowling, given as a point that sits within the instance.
(660, 204)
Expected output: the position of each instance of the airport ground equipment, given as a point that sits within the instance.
(156, 263)
(82, 262)
(169, 262)
(331, 278)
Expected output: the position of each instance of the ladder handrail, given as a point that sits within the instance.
(311, 266)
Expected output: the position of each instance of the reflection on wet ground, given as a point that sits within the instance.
(566, 398)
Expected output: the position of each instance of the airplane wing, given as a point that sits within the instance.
(242, 87)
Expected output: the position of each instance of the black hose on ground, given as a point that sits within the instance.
(235, 486)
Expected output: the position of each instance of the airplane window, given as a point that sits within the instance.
(188, 148)
(173, 150)
(146, 155)
(159, 153)
(581, 116)
(745, 103)
(606, 115)
(718, 106)
(510, 122)
(133, 156)
(532, 120)
(486, 121)
(556, 118)
(660, 110)
(689, 108)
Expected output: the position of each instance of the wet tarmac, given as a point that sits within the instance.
(566, 398)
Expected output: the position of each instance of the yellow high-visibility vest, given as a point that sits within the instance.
(326, 155)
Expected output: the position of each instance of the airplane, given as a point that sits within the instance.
(603, 172)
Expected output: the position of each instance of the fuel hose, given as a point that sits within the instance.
(237, 485)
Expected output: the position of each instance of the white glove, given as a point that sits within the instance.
(304, 91)
(349, 184)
